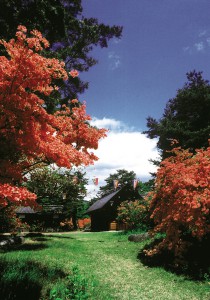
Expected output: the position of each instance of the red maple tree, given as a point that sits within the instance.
(28, 134)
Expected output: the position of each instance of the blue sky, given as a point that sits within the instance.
(162, 40)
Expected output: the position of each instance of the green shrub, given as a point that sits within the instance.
(74, 287)
(32, 280)
(135, 214)
(25, 279)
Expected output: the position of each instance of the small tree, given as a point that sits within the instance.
(135, 214)
(59, 187)
(9, 222)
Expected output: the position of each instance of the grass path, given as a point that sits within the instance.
(109, 261)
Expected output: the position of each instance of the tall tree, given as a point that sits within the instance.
(186, 117)
(59, 187)
(71, 36)
(124, 178)
(28, 134)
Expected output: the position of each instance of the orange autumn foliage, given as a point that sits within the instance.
(83, 222)
(181, 200)
(28, 134)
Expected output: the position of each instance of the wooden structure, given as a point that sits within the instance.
(103, 212)
(47, 218)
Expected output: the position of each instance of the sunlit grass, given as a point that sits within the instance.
(109, 263)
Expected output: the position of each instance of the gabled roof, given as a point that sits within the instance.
(53, 208)
(25, 210)
(45, 208)
(101, 202)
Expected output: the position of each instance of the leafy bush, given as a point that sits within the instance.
(135, 213)
(37, 226)
(20, 279)
(181, 201)
(32, 280)
(67, 225)
(9, 222)
(194, 262)
(74, 287)
(84, 223)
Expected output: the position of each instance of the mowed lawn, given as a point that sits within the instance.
(109, 263)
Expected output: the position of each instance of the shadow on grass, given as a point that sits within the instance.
(38, 236)
(34, 234)
(25, 279)
(24, 247)
(194, 264)
(28, 247)
(46, 235)
(38, 242)
(60, 236)
(40, 239)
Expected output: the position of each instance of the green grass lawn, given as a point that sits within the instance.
(106, 261)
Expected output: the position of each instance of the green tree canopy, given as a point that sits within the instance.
(71, 36)
(186, 117)
(125, 179)
(57, 187)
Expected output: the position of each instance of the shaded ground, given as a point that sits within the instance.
(194, 263)
(24, 280)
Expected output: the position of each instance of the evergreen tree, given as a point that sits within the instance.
(125, 179)
(186, 118)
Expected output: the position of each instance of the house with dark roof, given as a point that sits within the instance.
(45, 217)
(103, 212)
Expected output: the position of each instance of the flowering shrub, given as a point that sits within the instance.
(9, 222)
(83, 223)
(67, 225)
(134, 213)
(180, 204)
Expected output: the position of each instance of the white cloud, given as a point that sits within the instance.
(199, 46)
(115, 61)
(110, 124)
(208, 41)
(122, 149)
(203, 41)
(116, 41)
(202, 33)
(185, 49)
